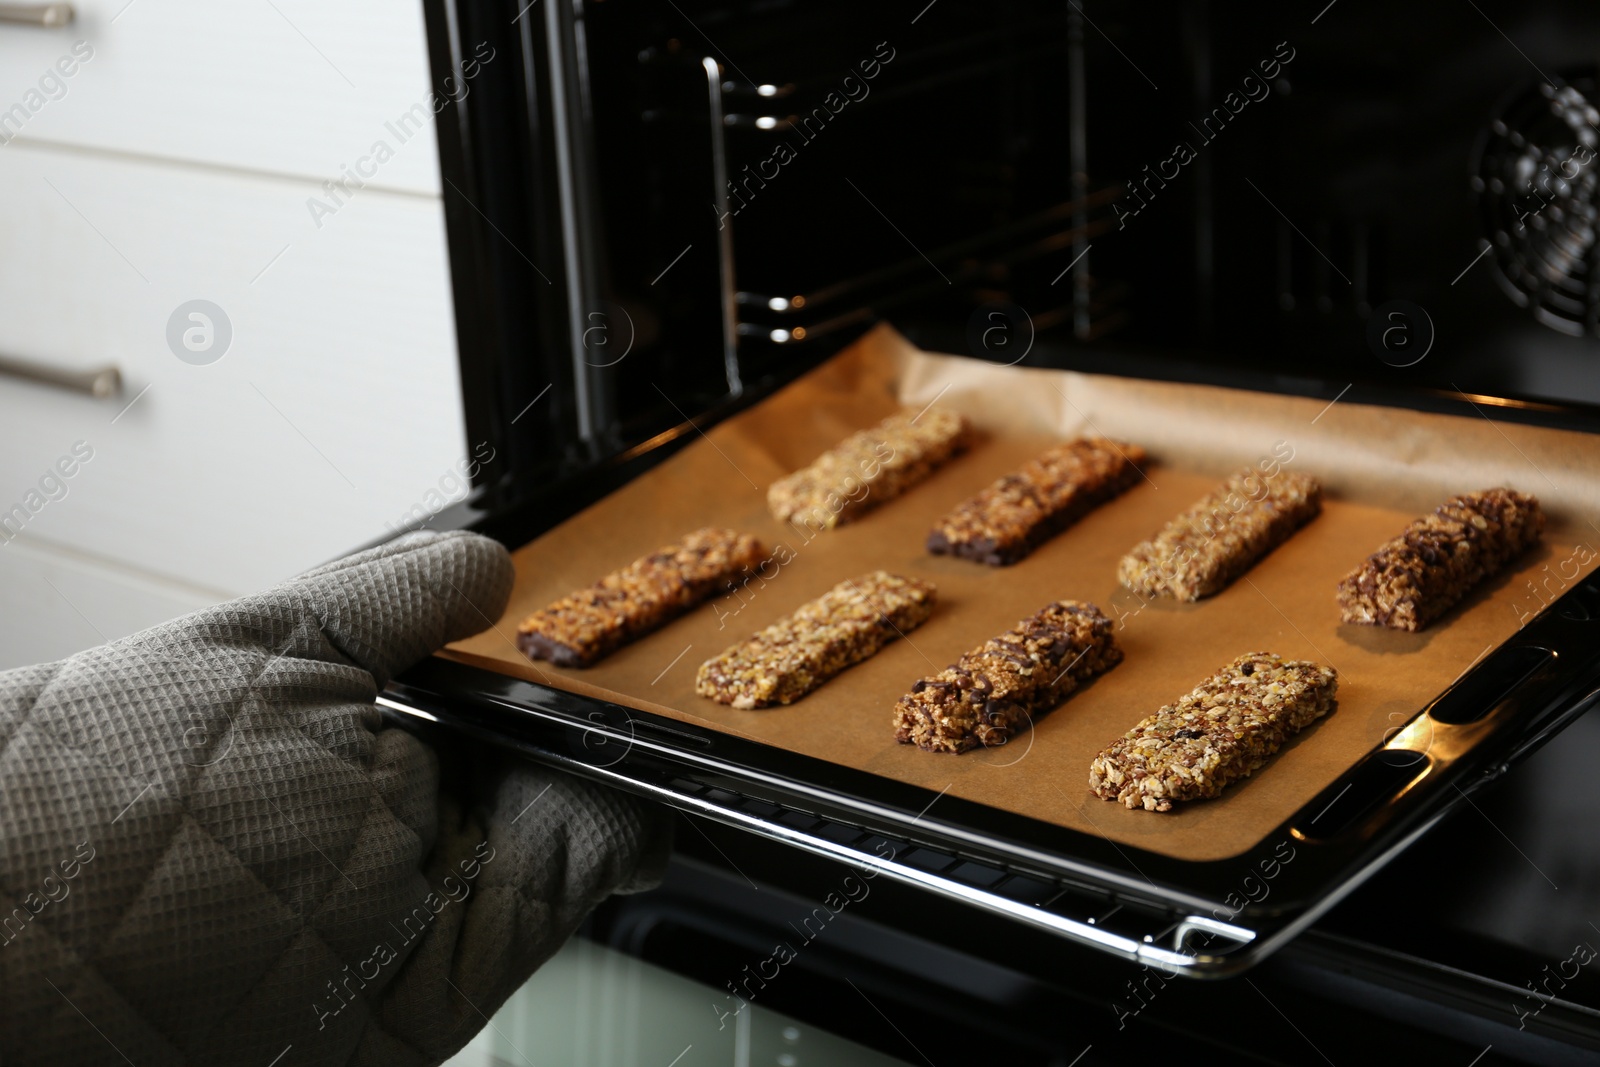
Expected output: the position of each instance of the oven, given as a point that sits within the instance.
(666, 220)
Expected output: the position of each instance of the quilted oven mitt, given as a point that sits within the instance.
(212, 851)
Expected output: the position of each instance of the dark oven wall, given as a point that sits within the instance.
(1436, 161)
(657, 207)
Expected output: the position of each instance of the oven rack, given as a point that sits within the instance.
(1170, 941)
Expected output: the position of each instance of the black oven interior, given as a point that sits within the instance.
(660, 209)
(656, 208)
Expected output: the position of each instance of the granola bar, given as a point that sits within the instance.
(584, 626)
(1416, 577)
(1221, 535)
(1018, 513)
(798, 653)
(994, 692)
(1223, 730)
(868, 468)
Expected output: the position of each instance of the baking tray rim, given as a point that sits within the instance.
(1321, 870)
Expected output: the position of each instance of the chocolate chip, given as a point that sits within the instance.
(1248, 668)
(922, 683)
(996, 708)
(1188, 734)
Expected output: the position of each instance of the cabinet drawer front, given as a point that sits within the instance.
(286, 86)
(334, 408)
(57, 605)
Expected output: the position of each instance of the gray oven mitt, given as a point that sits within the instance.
(212, 851)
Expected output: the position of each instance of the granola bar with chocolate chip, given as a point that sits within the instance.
(1419, 575)
(1222, 731)
(868, 468)
(836, 631)
(584, 626)
(1012, 517)
(1221, 535)
(996, 691)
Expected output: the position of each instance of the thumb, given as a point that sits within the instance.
(390, 606)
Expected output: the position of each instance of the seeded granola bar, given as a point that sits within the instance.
(1018, 513)
(836, 631)
(868, 468)
(1416, 577)
(995, 691)
(1223, 730)
(1221, 535)
(584, 626)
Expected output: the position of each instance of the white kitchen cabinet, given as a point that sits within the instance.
(335, 407)
(181, 163)
(301, 87)
(58, 603)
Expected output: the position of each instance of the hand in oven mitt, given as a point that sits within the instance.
(213, 850)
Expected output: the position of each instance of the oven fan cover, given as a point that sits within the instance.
(1536, 180)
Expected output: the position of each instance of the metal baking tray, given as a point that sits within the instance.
(1208, 917)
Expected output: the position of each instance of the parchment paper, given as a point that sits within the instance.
(1381, 467)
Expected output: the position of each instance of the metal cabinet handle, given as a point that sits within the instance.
(98, 382)
(49, 16)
